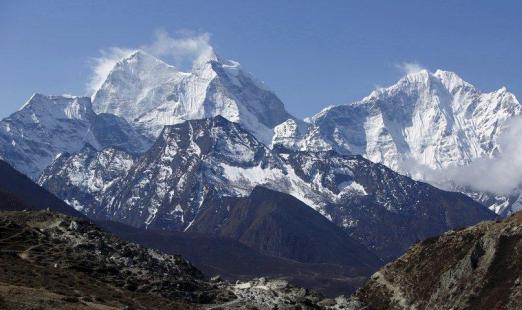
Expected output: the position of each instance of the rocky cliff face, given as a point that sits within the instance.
(475, 268)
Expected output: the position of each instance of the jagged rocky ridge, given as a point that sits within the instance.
(49, 125)
(475, 268)
(426, 121)
(166, 188)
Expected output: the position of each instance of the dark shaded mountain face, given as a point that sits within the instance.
(19, 193)
(201, 159)
(479, 267)
(280, 225)
(385, 211)
(232, 260)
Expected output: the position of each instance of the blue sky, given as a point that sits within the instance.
(311, 53)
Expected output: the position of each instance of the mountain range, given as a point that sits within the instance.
(422, 126)
(212, 155)
(169, 187)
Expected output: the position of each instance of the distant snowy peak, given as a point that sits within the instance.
(59, 107)
(46, 126)
(150, 94)
(426, 119)
(131, 80)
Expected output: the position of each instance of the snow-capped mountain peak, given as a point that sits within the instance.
(451, 80)
(425, 121)
(150, 94)
(65, 107)
(46, 126)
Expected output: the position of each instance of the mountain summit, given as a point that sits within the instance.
(46, 126)
(430, 119)
(426, 121)
(150, 93)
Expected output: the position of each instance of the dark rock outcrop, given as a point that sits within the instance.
(19, 192)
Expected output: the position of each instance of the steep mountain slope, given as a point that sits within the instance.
(21, 193)
(433, 119)
(475, 268)
(166, 187)
(49, 125)
(277, 224)
(425, 121)
(212, 254)
(150, 94)
(83, 179)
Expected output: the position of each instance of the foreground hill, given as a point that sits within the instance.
(475, 268)
(52, 261)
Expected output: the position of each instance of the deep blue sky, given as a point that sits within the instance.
(311, 53)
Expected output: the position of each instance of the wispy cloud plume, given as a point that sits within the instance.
(409, 67)
(185, 47)
(102, 66)
(182, 50)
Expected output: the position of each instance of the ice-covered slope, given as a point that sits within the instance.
(49, 125)
(167, 186)
(425, 121)
(150, 94)
(432, 119)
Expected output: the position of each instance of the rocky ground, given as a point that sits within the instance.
(479, 267)
(52, 261)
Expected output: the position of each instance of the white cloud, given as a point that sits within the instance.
(410, 67)
(498, 175)
(501, 174)
(185, 47)
(182, 50)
